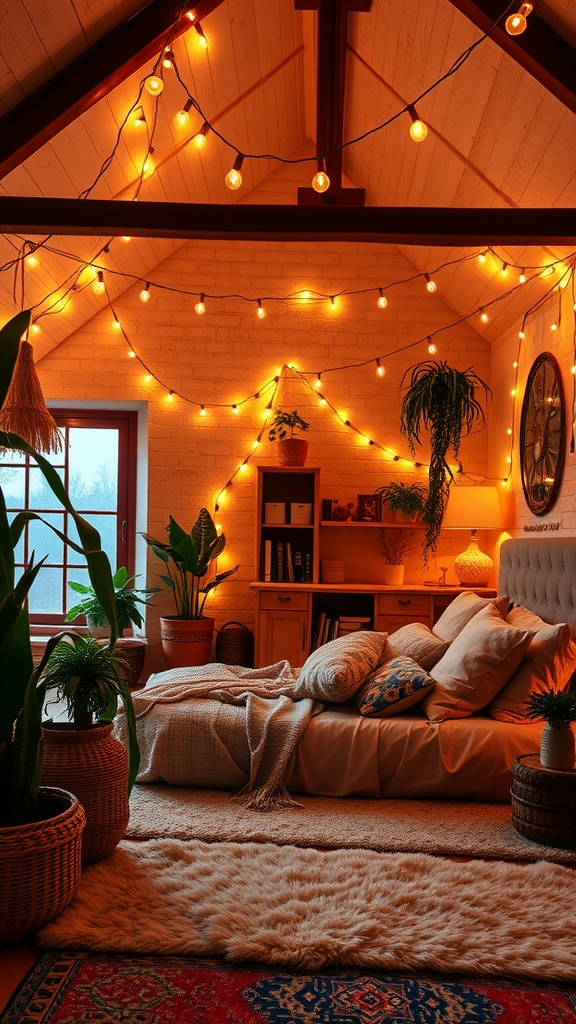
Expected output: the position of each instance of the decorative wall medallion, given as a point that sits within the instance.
(542, 435)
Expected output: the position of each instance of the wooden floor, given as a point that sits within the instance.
(15, 962)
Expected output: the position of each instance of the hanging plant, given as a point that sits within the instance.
(443, 401)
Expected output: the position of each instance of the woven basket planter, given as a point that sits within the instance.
(40, 865)
(292, 451)
(93, 765)
(132, 650)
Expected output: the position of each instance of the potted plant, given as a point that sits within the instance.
(558, 709)
(405, 501)
(394, 551)
(292, 451)
(187, 636)
(443, 401)
(40, 827)
(83, 754)
(131, 649)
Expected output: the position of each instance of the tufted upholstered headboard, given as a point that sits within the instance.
(540, 573)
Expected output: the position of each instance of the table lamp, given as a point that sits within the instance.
(473, 508)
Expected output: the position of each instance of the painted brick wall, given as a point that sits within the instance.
(229, 356)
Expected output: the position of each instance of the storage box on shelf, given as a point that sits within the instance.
(295, 610)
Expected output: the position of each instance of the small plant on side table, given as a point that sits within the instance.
(558, 709)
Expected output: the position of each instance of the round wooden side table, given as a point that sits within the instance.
(544, 802)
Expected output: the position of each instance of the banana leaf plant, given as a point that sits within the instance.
(188, 557)
(22, 690)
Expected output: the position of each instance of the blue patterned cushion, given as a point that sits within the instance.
(393, 687)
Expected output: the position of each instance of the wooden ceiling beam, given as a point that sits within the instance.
(541, 51)
(91, 77)
(398, 225)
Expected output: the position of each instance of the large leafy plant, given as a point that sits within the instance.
(22, 692)
(443, 402)
(187, 557)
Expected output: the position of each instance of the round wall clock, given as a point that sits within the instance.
(542, 435)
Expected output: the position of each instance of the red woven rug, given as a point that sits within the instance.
(65, 988)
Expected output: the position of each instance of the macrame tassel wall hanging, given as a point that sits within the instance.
(25, 411)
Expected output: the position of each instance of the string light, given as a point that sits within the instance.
(203, 410)
(170, 396)
(202, 41)
(318, 381)
(515, 24)
(99, 287)
(154, 85)
(139, 117)
(116, 325)
(233, 179)
(522, 277)
(131, 354)
(148, 167)
(504, 271)
(431, 285)
(260, 311)
(418, 129)
(182, 118)
(235, 409)
(380, 370)
(382, 301)
(483, 316)
(482, 257)
(200, 307)
(432, 348)
(321, 181)
(32, 261)
(200, 137)
(145, 293)
(168, 59)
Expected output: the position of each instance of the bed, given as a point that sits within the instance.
(449, 725)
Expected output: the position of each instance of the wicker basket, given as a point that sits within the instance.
(93, 765)
(235, 645)
(40, 865)
(544, 803)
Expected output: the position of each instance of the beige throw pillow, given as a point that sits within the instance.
(417, 641)
(476, 666)
(334, 671)
(461, 610)
(549, 663)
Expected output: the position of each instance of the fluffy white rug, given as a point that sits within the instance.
(303, 908)
(409, 826)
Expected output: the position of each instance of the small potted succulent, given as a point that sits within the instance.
(558, 709)
(187, 636)
(292, 451)
(131, 649)
(405, 501)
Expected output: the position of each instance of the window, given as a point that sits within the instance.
(98, 469)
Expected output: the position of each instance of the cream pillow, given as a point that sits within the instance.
(476, 666)
(417, 641)
(334, 671)
(549, 663)
(393, 688)
(461, 610)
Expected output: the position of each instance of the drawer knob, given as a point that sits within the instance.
(281, 597)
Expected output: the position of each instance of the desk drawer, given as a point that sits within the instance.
(285, 599)
(404, 604)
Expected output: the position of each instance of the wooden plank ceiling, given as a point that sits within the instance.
(501, 136)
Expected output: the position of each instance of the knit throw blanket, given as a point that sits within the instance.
(275, 717)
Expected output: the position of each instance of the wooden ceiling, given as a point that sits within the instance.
(284, 81)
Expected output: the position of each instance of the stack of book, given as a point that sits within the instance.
(328, 627)
(281, 564)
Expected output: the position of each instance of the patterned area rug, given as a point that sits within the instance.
(449, 827)
(67, 988)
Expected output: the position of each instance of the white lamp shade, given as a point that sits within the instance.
(473, 508)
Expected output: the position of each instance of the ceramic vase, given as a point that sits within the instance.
(557, 746)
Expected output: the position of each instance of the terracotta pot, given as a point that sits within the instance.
(40, 865)
(292, 451)
(93, 765)
(186, 641)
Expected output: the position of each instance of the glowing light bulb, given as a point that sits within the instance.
(255, 443)
(504, 271)
(202, 411)
(200, 137)
(168, 59)
(170, 396)
(431, 285)
(522, 278)
(509, 431)
(521, 335)
(382, 301)
(131, 354)
(553, 327)
(380, 370)
(182, 118)
(484, 317)
(481, 257)
(200, 307)
(418, 129)
(35, 328)
(148, 167)
(139, 118)
(99, 287)
(145, 293)
(243, 467)
(32, 261)
(321, 181)
(202, 41)
(515, 365)
(233, 179)
(260, 311)
(513, 392)
(154, 85)
(515, 24)
(126, 238)
(318, 382)
(573, 370)
(432, 350)
(116, 325)
(235, 409)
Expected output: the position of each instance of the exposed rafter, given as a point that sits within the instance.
(399, 225)
(88, 79)
(549, 58)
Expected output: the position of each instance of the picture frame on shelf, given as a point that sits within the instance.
(370, 508)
